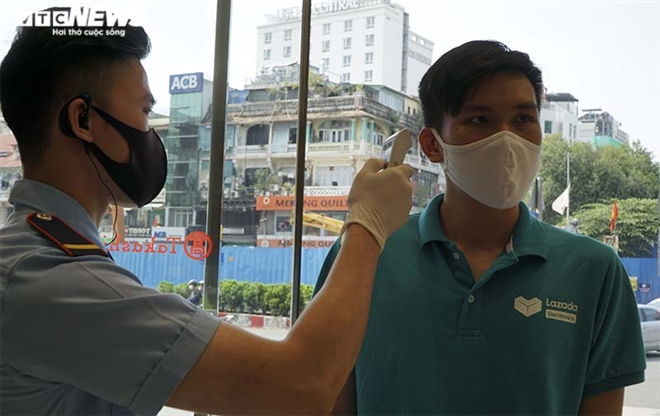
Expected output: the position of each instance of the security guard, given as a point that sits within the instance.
(80, 334)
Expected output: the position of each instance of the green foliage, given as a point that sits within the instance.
(231, 295)
(165, 287)
(182, 289)
(597, 174)
(249, 297)
(277, 299)
(637, 224)
(254, 297)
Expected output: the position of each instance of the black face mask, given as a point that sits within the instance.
(144, 175)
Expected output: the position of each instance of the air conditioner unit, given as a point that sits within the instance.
(234, 194)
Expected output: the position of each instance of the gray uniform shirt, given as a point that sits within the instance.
(81, 335)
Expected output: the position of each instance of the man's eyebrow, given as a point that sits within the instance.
(529, 105)
(476, 107)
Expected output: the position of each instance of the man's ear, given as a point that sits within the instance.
(430, 146)
(74, 119)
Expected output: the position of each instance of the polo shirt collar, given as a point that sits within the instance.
(529, 237)
(33, 196)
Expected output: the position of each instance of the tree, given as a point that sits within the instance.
(597, 174)
(637, 224)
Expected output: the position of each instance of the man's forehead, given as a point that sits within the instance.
(511, 89)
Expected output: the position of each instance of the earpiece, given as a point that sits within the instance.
(83, 119)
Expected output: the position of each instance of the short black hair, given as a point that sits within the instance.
(443, 87)
(42, 71)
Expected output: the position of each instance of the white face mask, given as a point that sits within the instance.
(496, 171)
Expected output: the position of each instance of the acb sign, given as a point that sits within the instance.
(184, 83)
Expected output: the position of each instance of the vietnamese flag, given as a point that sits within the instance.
(615, 214)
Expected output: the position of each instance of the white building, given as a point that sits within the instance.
(599, 128)
(559, 114)
(353, 41)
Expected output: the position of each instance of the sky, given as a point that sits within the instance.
(606, 54)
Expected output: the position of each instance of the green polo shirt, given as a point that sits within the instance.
(552, 321)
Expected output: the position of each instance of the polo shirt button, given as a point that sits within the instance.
(456, 256)
(471, 298)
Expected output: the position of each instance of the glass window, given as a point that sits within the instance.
(369, 58)
(287, 34)
(266, 54)
(326, 28)
(347, 43)
(371, 22)
(325, 46)
(547, 127)
(369, 40)
(287, 51)
(346, 77)
(268, 37)
(347, 60)
(368, 76)
(348, 25)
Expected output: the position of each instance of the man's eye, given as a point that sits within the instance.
(526, 118)
(479, 120)
(147, 111)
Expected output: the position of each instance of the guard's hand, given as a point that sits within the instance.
(380, 200)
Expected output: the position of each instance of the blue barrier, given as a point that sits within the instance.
(646, 271)
(249, 264)
(275, 265)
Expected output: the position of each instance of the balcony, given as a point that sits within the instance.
(287, 109)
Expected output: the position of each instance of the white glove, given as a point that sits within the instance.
(380, 200)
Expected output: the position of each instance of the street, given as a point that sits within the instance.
(640, 400)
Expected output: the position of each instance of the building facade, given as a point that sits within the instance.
(599, 128)
(352, 41)
(346, 125)
(559, 115)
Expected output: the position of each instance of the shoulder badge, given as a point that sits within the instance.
(66, 238)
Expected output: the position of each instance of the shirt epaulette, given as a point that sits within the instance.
(65, 237)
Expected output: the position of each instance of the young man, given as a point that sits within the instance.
(81, 335)
(478, 308)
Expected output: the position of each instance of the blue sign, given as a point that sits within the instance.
(185, 83)
(644, 287)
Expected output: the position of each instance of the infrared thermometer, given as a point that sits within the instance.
(395, 147)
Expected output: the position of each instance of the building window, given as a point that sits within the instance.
(378, 139)
(347, 43)
(325, 63)
(287, 51)
(371, 22)
(266, 54)
(348, 25)
(335, 135)
(368, 76)
(326, 28)
(293, 135)
(325, 46)
(346, 77)
(369, 58)
(287, 34)
(257, 135)
(547, 128)
(347, 60)
(369, 40)
(268, 37)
